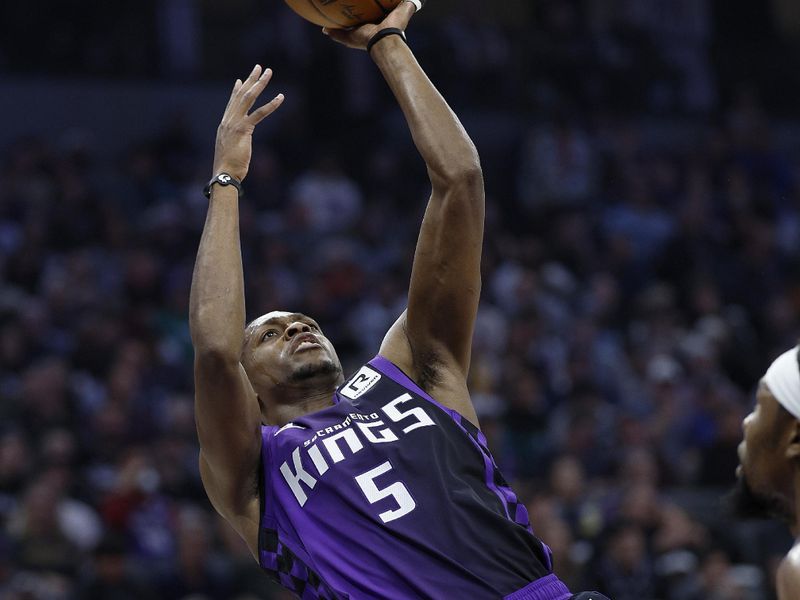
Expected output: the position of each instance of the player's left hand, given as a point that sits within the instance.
(235, 133)
(359, 37)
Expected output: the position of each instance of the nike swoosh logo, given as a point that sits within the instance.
(289, 426)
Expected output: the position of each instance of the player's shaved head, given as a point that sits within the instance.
(273, 316)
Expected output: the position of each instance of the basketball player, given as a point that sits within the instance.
(378, 485)
(769, 473)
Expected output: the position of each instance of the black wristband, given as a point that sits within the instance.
(225, 180)
(385, 33)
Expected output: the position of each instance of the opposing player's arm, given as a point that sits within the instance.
(432, 341)
(227, 414)
(788, 583)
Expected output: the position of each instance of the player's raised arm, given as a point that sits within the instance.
(226, 408)
(445, 282)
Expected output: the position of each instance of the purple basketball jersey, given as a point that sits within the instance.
(388, 494)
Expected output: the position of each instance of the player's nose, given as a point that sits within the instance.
(295, 328)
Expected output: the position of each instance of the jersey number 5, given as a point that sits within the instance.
(397, 490)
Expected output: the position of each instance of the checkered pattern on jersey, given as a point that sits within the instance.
(515, 510)
(288, 570)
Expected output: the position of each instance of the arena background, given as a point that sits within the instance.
(642, 164)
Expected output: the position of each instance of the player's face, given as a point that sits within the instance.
(287, 349)
(766, 472)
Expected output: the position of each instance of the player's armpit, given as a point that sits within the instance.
(443, 382)
(396, 349)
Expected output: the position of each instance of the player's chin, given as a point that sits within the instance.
(310, 355)
(744, 502)
(312, 365)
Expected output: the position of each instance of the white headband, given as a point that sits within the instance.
(783, 380)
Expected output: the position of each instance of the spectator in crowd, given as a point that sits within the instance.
(110, 576)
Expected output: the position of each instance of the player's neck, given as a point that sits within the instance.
(294, 402)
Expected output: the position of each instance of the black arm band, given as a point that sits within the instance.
(384, 33)
(224, 179)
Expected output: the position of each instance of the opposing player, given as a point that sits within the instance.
(769, 473)
(380, 485)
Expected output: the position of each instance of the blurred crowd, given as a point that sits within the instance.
(640, 272)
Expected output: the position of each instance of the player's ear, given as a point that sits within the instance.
(793, 447)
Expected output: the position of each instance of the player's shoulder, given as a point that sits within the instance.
(789, 575)
(268, 435)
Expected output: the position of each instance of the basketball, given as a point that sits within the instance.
(342, 14)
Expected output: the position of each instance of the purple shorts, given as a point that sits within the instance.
(546, 588)
(551, 588)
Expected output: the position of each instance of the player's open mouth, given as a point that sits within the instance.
(304, 341)
(308, 342)
(306, 346)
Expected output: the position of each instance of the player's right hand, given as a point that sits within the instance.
(359, 37)
(235, 133)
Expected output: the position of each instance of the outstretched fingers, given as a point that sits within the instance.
(234, 91)
(263, 112)
(234, 134)
(245, 93)
(253, 87)
(254, 76)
